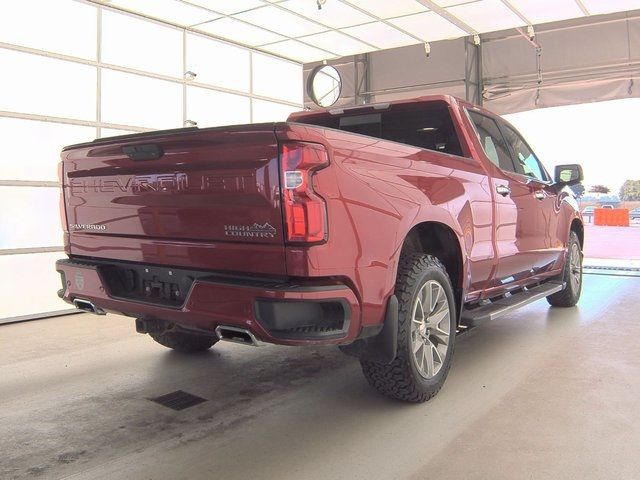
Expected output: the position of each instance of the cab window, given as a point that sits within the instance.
(424, 125)
(492, 141)
(525, 160)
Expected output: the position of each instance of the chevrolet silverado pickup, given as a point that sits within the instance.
(384, 229)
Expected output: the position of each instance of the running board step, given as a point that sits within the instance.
(505, 305)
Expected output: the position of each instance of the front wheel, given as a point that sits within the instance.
(426, 333)
(571, 276)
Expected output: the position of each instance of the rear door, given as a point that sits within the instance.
(520, 246)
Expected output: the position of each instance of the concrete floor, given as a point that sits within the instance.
(543, 394)
(621, 243)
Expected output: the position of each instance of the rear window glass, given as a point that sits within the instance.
(425, 126)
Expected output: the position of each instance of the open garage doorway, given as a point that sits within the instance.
(602, 137)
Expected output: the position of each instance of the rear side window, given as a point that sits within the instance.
(431, 129)
(493, 143)
(423, 125)
(526, 162)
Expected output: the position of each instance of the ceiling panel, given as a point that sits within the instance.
(240, 32)
(228, 6)
(451, 3)
(335, 14)
(541, 11)
(428, 26)
(486, 15)
(337, 42)
(381, 35)
(298, 30)
(297, 51)
(171, 11)
(607, 6)
(277, 19)
(388, 8)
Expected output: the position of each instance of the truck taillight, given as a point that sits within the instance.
(305, 211)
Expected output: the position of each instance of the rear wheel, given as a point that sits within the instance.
(183, 341)
(571, 276)
(426, 333)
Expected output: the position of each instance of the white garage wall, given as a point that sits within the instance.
(129, 99)
(94, 72)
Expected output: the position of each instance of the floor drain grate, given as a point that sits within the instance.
(178, 400)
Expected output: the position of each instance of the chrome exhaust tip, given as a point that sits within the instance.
(87, 306)
(236, 335)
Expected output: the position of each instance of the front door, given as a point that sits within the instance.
(536, 185)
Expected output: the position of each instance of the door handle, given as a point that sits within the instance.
(539, 194)
(503, 190)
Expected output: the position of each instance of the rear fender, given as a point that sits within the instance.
(441, 217)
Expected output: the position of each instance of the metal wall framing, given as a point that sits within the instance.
(28, 252)
(100, 66)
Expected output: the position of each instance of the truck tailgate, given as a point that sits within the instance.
(188, 192)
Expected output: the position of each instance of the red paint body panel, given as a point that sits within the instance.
(175, 210)
(378, 190)
(530, 235)
(182, 210)
(209, 303)
(214, 256)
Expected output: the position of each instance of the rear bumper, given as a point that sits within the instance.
(305, 313)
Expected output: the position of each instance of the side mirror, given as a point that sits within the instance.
(568, 174)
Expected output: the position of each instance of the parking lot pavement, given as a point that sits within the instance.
(621, 243)
(545, 393)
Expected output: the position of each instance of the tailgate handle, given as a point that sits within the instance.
(143, 152)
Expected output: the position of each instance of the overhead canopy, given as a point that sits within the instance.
(568, 62)
(301, 31)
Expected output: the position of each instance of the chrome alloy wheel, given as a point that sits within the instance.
(575, 267)
(430, 329)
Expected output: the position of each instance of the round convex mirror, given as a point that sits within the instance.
(324, 85)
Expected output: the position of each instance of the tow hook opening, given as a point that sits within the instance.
(88, 306)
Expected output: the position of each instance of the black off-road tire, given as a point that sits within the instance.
(400, 379)
(571, 293)
(184, 342)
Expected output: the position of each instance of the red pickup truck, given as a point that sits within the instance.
(384, 229)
